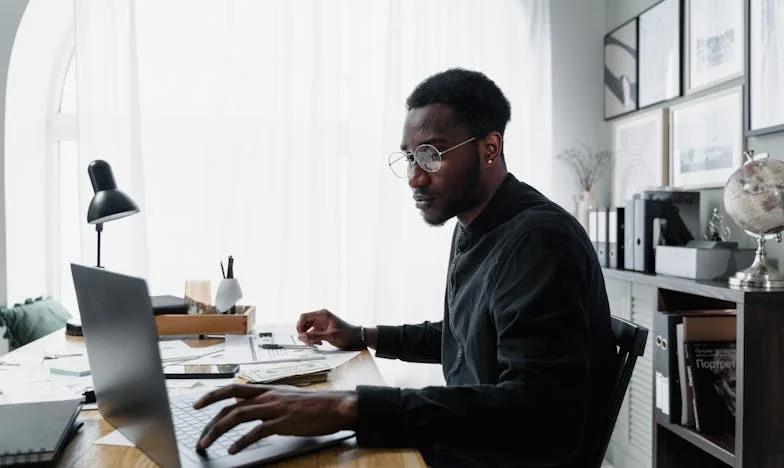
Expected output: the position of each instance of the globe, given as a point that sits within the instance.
(754, 195)
(754, 199)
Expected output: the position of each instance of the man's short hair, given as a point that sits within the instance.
(477, 101)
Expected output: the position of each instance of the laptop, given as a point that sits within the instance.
(130, 388)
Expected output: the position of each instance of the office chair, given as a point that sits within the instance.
(630, 339)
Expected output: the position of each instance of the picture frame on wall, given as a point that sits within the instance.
(620, 70)
(659, 60)
(640, 154)
(706, 139)
(764, 66)
(715, 34)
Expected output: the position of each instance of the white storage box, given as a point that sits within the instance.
(701, 264)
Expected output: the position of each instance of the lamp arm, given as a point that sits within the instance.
(98, 229)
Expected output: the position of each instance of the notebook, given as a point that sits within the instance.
(36, 432)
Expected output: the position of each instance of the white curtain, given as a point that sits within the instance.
(260, 129)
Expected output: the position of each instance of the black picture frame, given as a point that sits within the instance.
(613, 85)
(679, 49)
(747, 94)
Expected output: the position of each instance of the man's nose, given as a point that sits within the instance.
(418, 177)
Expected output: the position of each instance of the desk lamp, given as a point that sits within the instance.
(108, 203)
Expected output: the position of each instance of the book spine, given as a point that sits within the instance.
(688, 354)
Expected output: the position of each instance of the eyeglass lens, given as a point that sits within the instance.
(426, 156)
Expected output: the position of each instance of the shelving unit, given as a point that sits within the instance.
(759, 418)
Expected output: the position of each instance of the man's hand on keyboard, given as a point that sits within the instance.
(279, 409)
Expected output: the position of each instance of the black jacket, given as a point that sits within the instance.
(525, 345)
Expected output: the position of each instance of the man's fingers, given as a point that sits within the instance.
(230, 391)
(237, 415)
(259, 432)
(305, 322)
(303, 337)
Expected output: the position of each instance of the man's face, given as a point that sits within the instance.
(451, 190)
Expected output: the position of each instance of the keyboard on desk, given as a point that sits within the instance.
(189, 424)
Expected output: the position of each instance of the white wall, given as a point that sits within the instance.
(577, 29)
(10, 15)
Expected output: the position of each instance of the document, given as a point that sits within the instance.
(246, 349)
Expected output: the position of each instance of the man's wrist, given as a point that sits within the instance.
(347, 410)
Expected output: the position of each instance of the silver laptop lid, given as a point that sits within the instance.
(122, 347)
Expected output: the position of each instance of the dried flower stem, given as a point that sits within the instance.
(587, 165)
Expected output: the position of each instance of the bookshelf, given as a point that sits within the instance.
(759, 419)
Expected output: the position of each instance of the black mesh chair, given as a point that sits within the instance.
(630, 339)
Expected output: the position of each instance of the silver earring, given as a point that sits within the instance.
(489, 161)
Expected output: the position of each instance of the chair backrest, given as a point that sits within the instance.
(630, 340)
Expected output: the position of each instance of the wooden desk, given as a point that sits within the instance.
(83, 452)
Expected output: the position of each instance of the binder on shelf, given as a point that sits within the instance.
(615, 238)
(628, 236)
(593, 228)
(601, 235)
(667, 385)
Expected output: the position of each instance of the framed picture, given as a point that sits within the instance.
(765, 66)
(707, 139)
(715, 37)
(660, 53)
(620, 70)
(639, 154)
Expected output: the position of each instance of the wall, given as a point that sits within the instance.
(577, 29)
(621, 11)
(10, 15)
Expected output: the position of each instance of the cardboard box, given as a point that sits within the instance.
(701, 264)
(208, 323)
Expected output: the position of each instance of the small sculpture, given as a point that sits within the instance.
(716, 230)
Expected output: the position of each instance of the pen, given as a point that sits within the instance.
(223, 272)
(285, 346)
(230, 268)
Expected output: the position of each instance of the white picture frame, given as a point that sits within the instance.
(640, 158)
(660, 53)
(706, 139)
(715, 36)
(765, 72)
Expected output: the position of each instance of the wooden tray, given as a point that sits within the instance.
(208, 324)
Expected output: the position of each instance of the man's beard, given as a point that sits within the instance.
(464, 203)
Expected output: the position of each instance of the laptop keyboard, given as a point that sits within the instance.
(189, 424)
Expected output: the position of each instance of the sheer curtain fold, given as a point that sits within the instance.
(263, 130)
(108, 123)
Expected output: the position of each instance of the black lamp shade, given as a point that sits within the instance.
(108, 203)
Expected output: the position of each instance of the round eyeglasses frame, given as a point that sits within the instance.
(427, 156)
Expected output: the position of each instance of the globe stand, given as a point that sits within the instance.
(760, 274)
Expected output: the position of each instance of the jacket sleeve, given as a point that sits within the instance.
(413, 343)
(539, 308)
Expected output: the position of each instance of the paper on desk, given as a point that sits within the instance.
(175, 350)
(32, 385)
(114, 438)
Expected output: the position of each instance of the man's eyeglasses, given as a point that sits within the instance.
(427, 156)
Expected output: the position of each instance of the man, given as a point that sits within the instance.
(525, 344)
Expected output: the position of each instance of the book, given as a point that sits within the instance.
(36, 432)
(706, 350)
(711, 373)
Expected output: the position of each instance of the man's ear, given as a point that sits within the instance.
(491, 147)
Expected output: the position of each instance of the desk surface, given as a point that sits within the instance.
(83, 452)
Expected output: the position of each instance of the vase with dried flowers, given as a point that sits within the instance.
(588, 166)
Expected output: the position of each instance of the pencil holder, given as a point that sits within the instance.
(229, 292)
